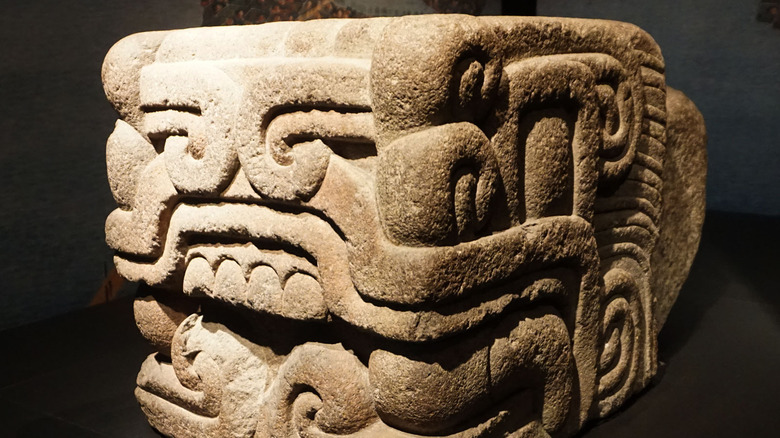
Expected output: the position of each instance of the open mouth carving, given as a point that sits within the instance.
(274, 280)
(245, 254)
(295, 264)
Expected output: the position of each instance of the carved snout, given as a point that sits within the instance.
(436, 186)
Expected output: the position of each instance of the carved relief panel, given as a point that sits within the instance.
(416, 226)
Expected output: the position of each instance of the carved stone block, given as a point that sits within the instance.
(430, 225)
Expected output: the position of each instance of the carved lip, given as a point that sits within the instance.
(228, 228)
(162, 396)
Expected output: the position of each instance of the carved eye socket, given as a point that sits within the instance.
(175, 130)
(436, 186)
(549, 163)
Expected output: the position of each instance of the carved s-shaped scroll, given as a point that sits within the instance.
(191, 107)
(293, 160)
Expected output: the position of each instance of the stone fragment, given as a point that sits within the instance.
(420, 226)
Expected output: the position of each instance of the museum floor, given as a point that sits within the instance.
(73, 376)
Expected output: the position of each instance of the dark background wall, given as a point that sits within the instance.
(54, 121)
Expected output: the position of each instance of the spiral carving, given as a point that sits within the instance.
(192, 123)
(620, 119)
(626, 334)
(319, 389)
(214, 373)
(292, 160)
(618, 351)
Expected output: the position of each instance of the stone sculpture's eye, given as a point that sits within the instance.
(169, 125)
(440, 226)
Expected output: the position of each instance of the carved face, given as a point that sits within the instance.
(433, 225)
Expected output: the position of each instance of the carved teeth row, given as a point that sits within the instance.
(299, 296)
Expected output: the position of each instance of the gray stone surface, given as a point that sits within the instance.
(441, 225)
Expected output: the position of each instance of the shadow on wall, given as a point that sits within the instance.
(230, 12)
(727, 62)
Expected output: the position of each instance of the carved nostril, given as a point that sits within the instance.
(473, 195)
(282, 153)
(465, 208)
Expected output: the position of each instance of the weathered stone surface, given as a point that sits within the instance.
(685, 173)
(438, 225)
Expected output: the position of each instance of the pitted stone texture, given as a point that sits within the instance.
(158, 313)
(685, 174)
(418, 226)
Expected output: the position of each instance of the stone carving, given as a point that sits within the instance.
(417, 226)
